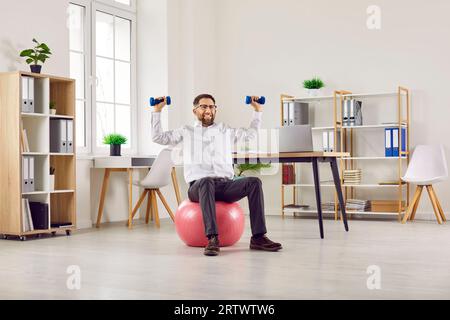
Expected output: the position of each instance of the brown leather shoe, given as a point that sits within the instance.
(212, 249)
(265, 244)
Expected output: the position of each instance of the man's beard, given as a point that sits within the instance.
(206, 122)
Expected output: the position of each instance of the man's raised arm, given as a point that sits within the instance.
(171, 137)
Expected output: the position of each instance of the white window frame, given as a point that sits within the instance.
(91, 6)
(97, 6)
(112, 3)
(87, 75)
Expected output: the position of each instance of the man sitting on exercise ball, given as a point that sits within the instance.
(210, 178)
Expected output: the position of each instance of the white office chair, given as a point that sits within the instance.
(427, 167)
(158, 177)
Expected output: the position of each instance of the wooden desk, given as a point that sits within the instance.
(300, 157)
(126, 164)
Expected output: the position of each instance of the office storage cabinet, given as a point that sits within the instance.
(26, 157)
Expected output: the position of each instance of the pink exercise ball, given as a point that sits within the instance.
(191, 229)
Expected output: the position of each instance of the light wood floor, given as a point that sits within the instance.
(147, 263)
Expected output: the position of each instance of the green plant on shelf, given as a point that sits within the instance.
(314, 83)
(40, 53)
(114, 139)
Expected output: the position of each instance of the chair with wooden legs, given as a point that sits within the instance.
(158, 177)
(427, 167)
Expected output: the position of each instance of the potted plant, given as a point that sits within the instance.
(313, 86)
(40, 53)
(115, 142)
(253, 167)
(52, 106)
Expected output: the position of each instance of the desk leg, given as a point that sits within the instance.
(318, 196)
(175, 186)
(337, 183)
(102, 196)
(130, 198)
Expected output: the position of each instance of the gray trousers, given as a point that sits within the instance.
(209, 190)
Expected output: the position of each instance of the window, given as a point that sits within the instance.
(113, 71)
(79, 57)
(102, 48)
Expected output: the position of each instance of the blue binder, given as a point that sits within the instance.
(388, 142)
(395, 142)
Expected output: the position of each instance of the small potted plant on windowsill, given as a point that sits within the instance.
(115, 142)
(52, 107)
(40, 53)
(313, 86)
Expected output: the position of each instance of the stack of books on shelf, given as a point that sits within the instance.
(352, 176)
(297, 206)
(358, 205)
(329, 206)
(288, 174)
(35, 215)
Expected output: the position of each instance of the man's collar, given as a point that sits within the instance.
(198, 123)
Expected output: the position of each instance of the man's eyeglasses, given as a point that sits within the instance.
(204, 107)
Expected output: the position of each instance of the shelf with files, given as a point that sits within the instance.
(401, 111)
(395, 117)
(27, 137)
(37, 172)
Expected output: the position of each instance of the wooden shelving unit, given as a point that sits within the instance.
(62, 200)
(400, 118)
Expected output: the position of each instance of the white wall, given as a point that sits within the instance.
(50, 27)
(269, 47)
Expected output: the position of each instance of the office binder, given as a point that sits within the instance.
(298, 113)
(31, 184)
(25, 221)
(388, 142)
(285, 113)
(31, 95)
(69, 135)
(25, 175)
(395, 142)
(325, 141)
(25, 108)
(403, 140)
(331, 141)
(40, 215)
(58, 135)
(345, 113)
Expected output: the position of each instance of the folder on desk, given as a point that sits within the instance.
(325, 141)
(58, 135)
(331, 141)
(388, 142)
(24, 174)
(31, 185)
(69, 136)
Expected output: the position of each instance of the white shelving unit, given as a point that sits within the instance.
(62, 202)
(346, 133)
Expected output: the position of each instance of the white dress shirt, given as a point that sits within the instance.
(206, 150)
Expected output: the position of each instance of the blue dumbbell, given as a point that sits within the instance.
(154, 102)
(261, 100)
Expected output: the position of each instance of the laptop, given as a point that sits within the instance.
(296, 139)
